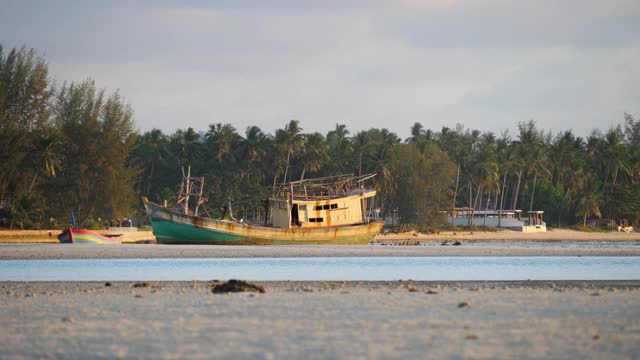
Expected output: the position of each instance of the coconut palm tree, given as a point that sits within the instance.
(589, 202)
(340, 151)
(314, 153)
(290, 140)
(50, 159)
(253, 145)
(417, 131)
(221, 139)
(361, 144)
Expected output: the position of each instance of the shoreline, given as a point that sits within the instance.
(554, 235)
(139, 251)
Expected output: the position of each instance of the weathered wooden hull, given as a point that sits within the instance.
(171, 227)
(81, 236)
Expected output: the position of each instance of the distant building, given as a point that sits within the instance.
(507, 219)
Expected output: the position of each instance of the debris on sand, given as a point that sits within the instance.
(237, 286)
(141, 284)
(464, 304)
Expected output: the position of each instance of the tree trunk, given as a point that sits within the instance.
(478, 198)
(470, 200)
(486, 208)
(515, 196)
(504, 181)
(304, 169)
(286, 170)
(33, 181)
(475, 203)
(533, 191)
(455, 194)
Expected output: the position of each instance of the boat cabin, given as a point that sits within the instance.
(534, 223)
(324, 202)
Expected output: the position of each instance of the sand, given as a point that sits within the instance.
(319, 320)
(553, 235)
(146, 251)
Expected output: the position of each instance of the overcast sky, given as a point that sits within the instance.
(487, 64)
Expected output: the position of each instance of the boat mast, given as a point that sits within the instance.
(190, 186)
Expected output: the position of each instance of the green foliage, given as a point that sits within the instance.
(75, 148)
(424, 184)
(28, 212)
(25, 91)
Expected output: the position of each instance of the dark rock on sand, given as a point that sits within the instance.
(237, 286)
(141, 284)
(464, 304)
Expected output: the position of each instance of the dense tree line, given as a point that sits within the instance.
(62, 149)
(75, 148)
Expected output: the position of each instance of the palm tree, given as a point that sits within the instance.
(314, 153)
(614, 155)
(152, 151)
(417, 131)
(50, 159)
(253, 145)
(383, 143)
(361, 143)
(589, 204)
(488, 170)
(185, 145)
(339, 150)
(221, 138)
(291, 140)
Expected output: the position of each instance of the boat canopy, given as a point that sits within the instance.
(324, 188)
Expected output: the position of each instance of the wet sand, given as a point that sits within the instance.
(372, 320)
(146, 251)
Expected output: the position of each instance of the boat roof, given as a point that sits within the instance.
(322, 188)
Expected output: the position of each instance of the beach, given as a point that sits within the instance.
(498, 236)
(318, 320)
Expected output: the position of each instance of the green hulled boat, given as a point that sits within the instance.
(329, 210)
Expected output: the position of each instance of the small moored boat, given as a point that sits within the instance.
(82, 236)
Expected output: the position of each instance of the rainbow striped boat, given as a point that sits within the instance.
(81, 236)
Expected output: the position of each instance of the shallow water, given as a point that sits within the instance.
(326, 268)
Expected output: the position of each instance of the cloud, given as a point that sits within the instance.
(379, 63)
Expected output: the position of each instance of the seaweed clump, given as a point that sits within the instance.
(235, 286)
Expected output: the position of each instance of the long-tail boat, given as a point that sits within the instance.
(331, 210)
(82, 236)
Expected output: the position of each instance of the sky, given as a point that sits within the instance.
(485, 64)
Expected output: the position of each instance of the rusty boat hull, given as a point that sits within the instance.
(171, 227)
